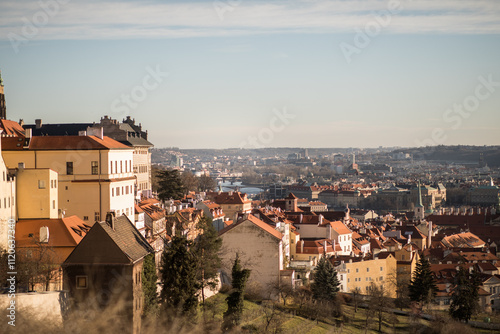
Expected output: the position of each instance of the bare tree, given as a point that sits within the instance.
(273, 318)
(379, 302)
(38, 265)
(356, 296)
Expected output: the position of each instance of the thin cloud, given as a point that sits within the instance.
(139, 19)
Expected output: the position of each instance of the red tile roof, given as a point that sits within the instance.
(268, 228)
(64, 143)
(339, 227)
(11, 128)
(63, 232)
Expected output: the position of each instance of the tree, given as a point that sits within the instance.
(178, 277)
(465, 296)
(37, 266)
(206, 183)
(379, 302)
(355, 298)
(170, 185)
(232, 317)
(207, 249)
(326, 283)
(189, 182)
(149, 279)
(422, 286)
(402, 293)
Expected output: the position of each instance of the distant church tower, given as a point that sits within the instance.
(419, 207)
(3, 108)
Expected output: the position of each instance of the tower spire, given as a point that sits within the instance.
(420, 195)
(3, 108)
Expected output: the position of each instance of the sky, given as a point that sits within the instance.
(251, 74)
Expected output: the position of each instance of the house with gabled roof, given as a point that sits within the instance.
(213, 211)
(259, 246)
(104, 271)
(232, 203)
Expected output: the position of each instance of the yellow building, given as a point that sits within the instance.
(95, 173)
(356, 272)
(407, 258)
(37, 194)
(232, 202)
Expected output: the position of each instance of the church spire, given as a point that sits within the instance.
(3, 108)
(419, 196)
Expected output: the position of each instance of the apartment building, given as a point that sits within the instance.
(95, 173)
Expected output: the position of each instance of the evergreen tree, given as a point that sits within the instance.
(149, 279)
(465, 297)
(326, 284)
(178, 277)
(232, 316)
(422, 286)
(207, 249)
(170, 185)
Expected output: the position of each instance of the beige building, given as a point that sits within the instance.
(37, 193)
(95, 172)
(260, 249)
(7, 200)
(130, 134)
(231, 202)
(356, 272)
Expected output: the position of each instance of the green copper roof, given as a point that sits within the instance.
(419, 205)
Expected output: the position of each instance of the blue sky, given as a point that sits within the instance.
(350, 73)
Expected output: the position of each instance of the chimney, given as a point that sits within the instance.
(44, 234)
(429, 237)
(27, 133)
(301, 218)
(320, 219)
(38, 123)
(21, 122)
(324, 246)
(110, 219)
(302, 246)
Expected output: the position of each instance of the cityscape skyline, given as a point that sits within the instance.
(227, 74)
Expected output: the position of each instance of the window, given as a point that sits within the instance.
(130, 165)
(367, 269)
(81, 282)
(111, 167)
(116, 166)
(357, 270)
(117, 191)
(41, 184)
(53, 204)
(381, 268)
(121, 166)
(112, 192)
(97, 216)
(95, 167)
(85, 217)
(69, 167)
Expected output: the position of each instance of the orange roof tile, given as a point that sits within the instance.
(11, 128)
(257, 222)
(63, 232)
